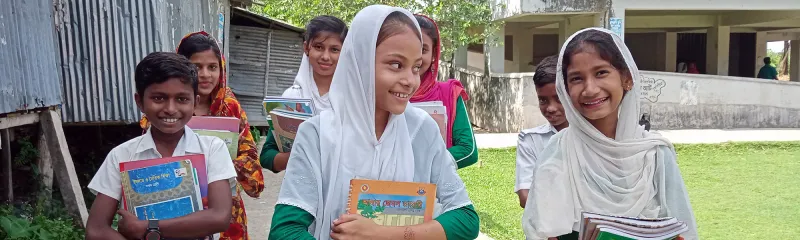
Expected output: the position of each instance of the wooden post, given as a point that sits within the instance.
(45, 163)
(6, 139)
(63, 167)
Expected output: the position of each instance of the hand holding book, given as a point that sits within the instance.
(355, 226)
(130, 226)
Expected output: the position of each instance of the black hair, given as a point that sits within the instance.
(325, 23)
(767, 60)
(601, 43)
(546, 71)
(198, 43)
(429, 28)
(158, 67)
(396, 23)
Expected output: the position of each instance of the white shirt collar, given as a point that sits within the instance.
(541, 129)
(187, 144)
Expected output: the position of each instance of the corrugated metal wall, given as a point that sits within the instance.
(248, 69)
(263, 62)
(101, 41)
(285, 55)
(28, 56)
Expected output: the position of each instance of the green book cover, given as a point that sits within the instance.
(231, 139)
(610, 236)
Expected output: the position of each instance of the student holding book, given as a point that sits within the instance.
(604, 162)
(532, 141)
(217, 99)
(323, 42)
(166, 90)
(460, 140)
(370, 133)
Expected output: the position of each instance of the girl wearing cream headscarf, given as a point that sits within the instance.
(321, 48)
(370, 133)
(605, 162)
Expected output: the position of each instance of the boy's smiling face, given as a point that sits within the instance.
(168, 105)
(550, 105)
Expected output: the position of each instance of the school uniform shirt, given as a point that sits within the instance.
(529, 148)
(298, 210)
(218, 161)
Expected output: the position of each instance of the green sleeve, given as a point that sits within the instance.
(460, 223)
(774, 72)
(290, 222)
(269, 151)
(463, 150)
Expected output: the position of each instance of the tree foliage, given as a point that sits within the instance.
(461, 22)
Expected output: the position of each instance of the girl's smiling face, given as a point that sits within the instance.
(427, 52)
(397, 67)
(595, 86)
(208, 71)
(323, 53)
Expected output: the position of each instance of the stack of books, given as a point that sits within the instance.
(604, 227)
(225, 128)
(164, 188)
(284, 116)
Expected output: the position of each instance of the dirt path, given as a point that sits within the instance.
(259, 211)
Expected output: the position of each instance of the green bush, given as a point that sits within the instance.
(36, 215)
(26, 224)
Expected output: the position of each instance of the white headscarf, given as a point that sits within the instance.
(306, 87)
(633, 175)
(348, 146)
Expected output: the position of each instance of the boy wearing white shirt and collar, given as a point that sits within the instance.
(532, 141)
(166, 92)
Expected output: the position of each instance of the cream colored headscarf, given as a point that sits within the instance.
(305, 87)
(635, 174)
(317, 180)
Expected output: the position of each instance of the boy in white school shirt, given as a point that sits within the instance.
(532, 141)
(166, 92)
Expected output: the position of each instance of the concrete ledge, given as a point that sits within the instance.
(506, 140)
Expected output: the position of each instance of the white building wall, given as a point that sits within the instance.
(516, 7)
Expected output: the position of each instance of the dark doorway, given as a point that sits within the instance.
(692, 48)
(742, 59)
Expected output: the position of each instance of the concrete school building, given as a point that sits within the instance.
(725, 39)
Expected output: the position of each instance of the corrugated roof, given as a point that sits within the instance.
(265, 21)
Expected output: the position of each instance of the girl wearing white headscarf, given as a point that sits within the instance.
(370, 133)
(605, 162)
(323, 43)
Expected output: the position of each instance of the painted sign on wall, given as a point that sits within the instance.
(221, 28)
(651, 88)
(617, 25)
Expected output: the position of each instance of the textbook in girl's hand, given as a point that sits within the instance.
(284, 127)
(302, 106)
(390, 203)
(225, 128)
(604, 227)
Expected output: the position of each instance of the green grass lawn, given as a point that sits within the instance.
(737, 190)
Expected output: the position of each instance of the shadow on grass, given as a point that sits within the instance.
(488, 223)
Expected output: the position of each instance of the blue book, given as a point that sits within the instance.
(163, 191)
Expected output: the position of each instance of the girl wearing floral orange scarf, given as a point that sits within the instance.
(217, 99)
